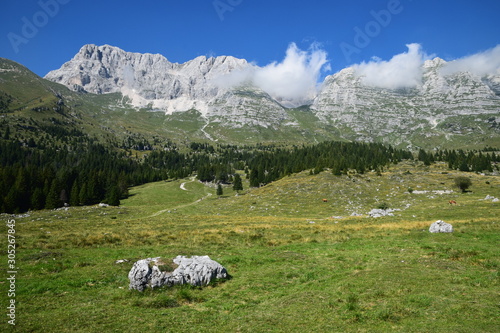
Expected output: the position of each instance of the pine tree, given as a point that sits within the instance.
(6, 135)
(52, 200)
(254, 178)
(11, 201)
(122, 183)
(23, 198)
(83, 195)
(464, 166)
(74, 196)
(113, 196)
(219, 190)
(37, 199)
(336, 169)
(237, 184)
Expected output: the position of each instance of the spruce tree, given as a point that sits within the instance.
(219, 190)
(37, 199)
(83, 196)
(23, 198)
(6, 135)
(238, 184)
(254, 178)
(113, 196)
(53, 196)
(74, 196)
(11, 201)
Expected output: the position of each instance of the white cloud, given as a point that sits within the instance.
(483, 63)
(293, 81)
(402, 71)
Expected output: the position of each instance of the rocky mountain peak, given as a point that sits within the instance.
(434, 63)
(345, 98)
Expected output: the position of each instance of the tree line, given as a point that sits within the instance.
(50, 178)
(35, 176)
(467, 161)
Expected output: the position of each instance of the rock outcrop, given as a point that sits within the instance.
(442, 104)
(382, 212)
(151, 81)
(440, 226)
(396, 114)
(154, 273)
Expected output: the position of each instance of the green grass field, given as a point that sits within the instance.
(298, 264)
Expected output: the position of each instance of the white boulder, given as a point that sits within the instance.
(440, 226)
(196, 271)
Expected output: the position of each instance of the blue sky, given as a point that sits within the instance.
(43, 34)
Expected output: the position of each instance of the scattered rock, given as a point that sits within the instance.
(440, 226)
(103, 205)
(196, 271)
(439, 192)
(490, 197)
(121, 261)
(382, 212)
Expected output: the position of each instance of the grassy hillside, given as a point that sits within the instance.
(298, 264)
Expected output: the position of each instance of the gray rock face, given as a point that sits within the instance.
(151, 81)
(362, 112)
(440, 226)
(196, 271)
(140, 274)
(345, 100)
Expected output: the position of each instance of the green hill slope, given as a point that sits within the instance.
(293, 267)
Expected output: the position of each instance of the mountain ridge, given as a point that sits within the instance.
(453, 110)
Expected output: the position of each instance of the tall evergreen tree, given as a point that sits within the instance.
(74, 196)
(113, 196)
(37, 199)
(83, 196)
(220, 191)
(53, 200)
(23, 199)
(237, 183)
(11, 201)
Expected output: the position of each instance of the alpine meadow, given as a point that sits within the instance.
(220, 195)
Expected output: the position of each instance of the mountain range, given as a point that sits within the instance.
(213, 99)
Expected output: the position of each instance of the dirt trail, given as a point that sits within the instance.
(182, 187)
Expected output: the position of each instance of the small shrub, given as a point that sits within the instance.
(383, 206)
(463, 183)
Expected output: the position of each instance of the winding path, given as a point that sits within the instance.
(182, 187)
(205, 132)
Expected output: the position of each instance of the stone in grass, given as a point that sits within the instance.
(440, 226)
(196, 271)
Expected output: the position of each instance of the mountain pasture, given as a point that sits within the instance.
(297, 263)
